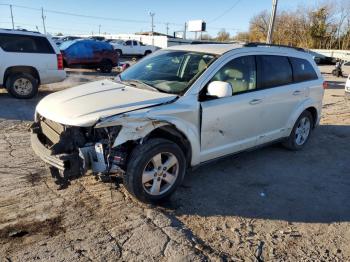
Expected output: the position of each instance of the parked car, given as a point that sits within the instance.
(70, 38)
(322, 59)
(98, 38)
(57, 40)
(133, 47)
(178, 108)
(89, 54)
(347, 88)
(27, 60)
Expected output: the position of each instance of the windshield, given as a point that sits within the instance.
(169, 71)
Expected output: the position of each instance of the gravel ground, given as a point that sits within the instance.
(268, 204)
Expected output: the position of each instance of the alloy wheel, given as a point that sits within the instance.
(160, 173)
(302, 131)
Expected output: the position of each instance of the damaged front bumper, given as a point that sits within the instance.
(70, 164)
(89, 157)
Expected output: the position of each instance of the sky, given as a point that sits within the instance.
(130, 16)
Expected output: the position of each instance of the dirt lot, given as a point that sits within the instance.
(269, 204)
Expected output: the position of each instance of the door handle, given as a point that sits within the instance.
(255, 101)
(296, 93)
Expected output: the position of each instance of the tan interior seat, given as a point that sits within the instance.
(235, 78)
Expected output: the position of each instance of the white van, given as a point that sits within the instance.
(178, 108)
(27, 60)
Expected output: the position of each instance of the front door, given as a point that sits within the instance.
(232, 124)
(128, 48)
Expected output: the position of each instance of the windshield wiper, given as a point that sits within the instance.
(133, 81)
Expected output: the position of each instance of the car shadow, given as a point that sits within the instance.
(311, 185)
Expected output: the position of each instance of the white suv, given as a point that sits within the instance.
(28, 59)
(178, 108)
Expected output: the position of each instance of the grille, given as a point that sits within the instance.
(60, 138)
(52, 130)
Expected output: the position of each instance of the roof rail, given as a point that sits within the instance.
(20, 30)
(255, 44)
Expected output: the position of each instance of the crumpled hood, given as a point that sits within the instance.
(84, 105)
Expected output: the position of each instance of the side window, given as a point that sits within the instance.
(240, 73)
(25, 44)
(274, 71)
(128, 43)
(134, 42)
(43, 46)
(302, 70)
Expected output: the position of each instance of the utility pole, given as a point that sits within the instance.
(13, 24)
(99, 29)
(43, 17)
(152, 21)
(272, 22)
(152, 25)
(167, 28)
(185, 29)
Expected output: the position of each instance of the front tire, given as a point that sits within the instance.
(22, 85)
(301, 132)
(119, 52)
(154, 170)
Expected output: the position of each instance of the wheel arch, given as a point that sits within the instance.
(314, 114)
(21, 69)
(173, 134)
(308, 105)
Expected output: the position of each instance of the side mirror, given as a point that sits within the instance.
(219, 89)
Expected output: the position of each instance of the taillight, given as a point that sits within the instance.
(60, 62)
(325, 84)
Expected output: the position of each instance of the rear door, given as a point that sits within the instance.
(282, 95)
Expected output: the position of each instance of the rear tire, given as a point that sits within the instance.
(301, 132)
(22, 85)
(106, 66)
(154, 170)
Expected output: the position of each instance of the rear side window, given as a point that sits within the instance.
(274, 71)
(25, 44)
(302, 70)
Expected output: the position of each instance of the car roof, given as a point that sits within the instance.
(217, 49)
(20, 32)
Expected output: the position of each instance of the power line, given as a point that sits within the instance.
(224, 13)
(116, 19)
(88, 16)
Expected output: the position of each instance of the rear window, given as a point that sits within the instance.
(274, 71)
(25, 44)
(302, 70)
(67, 44)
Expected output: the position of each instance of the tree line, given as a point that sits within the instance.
(326, 26)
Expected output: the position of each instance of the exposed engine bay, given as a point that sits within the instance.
(92, 147)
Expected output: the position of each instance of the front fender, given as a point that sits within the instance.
(139, 125)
